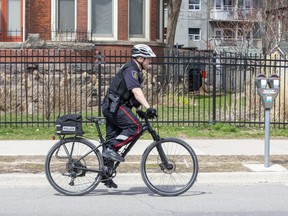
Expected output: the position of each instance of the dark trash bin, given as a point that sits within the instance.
(194, 79)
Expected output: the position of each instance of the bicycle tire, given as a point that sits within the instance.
(171, 182)
(64, 176)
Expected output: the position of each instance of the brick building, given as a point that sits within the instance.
(113, 24)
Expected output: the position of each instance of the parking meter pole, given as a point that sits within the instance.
(267, 138)
(268, 90)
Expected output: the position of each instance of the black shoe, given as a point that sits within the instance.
(110, 184)
(112, 154)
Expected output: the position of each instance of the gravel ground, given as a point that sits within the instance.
(35, 164)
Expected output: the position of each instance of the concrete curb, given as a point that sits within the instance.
(15, 180)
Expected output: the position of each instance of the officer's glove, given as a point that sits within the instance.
(151, 113)
(141, 114)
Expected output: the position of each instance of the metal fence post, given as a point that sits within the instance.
(99, 83)
(214, 89)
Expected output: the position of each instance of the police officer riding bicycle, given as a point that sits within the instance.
(124, 93)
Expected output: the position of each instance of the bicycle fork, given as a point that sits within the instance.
(165, 161)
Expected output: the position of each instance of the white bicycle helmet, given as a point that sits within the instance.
(142, 50)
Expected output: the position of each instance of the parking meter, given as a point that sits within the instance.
(268, 90)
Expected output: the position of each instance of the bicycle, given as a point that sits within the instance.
(74, 166)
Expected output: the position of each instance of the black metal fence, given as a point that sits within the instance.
(37, 86)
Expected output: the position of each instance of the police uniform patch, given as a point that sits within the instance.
(134, 74)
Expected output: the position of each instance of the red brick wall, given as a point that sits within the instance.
(123, 50)
(123, 20)
(153, 20)
(82, 15)
(38, 17)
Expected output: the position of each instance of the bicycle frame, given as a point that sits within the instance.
(145, 127)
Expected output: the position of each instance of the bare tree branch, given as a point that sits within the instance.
(173, 14)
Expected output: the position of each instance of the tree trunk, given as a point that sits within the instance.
(173, 14)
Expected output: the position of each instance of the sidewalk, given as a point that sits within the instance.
(200, 146)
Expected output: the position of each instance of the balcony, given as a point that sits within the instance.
(235, 14)
(239, 42)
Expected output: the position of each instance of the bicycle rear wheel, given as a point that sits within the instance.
(73, 165)
(175, 178)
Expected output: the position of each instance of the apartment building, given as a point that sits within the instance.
(220, 24)
(193, 26)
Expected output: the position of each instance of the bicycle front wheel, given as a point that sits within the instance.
(171, 172)
(73, 165)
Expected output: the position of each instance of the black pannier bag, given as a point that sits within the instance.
(69, 124)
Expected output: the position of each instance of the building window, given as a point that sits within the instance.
(102, 19)
(194, 34)
(159, 19)
(218, 33)
(14, 18)
(11, 21)
(66, 15)
(218, 4)
(63, 19)
(223, 4)
(165, 3)
(138, 19)
(194, 5)
(248, 4)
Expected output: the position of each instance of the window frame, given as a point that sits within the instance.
(193, 6)
(146, 19)
(193, 36)
(221, 5)
(103, 37)
(55, 18)
(4, 33)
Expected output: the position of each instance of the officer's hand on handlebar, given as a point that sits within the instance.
(141, 114)
(151, 113)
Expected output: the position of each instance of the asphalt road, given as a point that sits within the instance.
(32, 197)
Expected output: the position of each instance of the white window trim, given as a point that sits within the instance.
(147, 24)
(24, 20)
(194, 6)
(54, 18)
(192, 36)
(114, 22)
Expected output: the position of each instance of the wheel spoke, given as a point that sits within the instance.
(176, 177)
(68, 167)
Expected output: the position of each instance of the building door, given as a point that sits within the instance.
(11, 28)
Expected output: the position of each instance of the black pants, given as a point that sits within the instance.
(121, 126)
